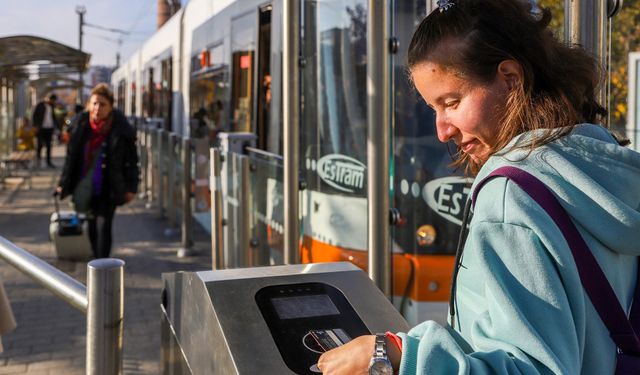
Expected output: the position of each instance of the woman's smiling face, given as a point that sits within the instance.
(467, 113)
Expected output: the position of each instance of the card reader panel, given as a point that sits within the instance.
(307, 319)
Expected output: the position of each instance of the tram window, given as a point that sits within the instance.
(242, 69)
(419, 159)
(133, 97)
(334, 84)
(208, 92)
(122, 84)
(165, 92)
(148, 93)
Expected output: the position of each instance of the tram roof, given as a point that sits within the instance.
(24, 55)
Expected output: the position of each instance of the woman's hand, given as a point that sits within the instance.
(349, 359)
(58, 191)
(128, 196)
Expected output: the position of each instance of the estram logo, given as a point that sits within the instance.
(447, 196)
(342, 172)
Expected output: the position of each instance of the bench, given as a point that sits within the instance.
(17, 164)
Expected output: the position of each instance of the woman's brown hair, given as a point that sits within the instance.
(103, 90)
(560, 82)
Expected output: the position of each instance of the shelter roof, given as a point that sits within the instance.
(25, 55)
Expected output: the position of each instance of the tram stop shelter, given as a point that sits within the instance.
(45, 63)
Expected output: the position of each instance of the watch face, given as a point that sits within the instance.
(380, 366)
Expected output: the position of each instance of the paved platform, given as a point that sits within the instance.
(51, 335)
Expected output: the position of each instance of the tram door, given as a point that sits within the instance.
(263, 81)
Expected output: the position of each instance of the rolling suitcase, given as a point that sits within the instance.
(69, 232)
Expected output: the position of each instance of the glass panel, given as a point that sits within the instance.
(243, 45)
(333, 135)
(201, 204)
(267, 216)
(429, 196)
(232, 181)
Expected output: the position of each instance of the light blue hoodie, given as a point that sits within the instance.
(521, 306)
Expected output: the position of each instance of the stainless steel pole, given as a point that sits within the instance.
(145, 152)
(105, 316)
(378, 127)
(586, 25)
(171, 182)
(217, 249)
(187, 220)
(245, 258)
(152, 137)
(291, 110)
(56, 281)
(143, 160)
(160, 167)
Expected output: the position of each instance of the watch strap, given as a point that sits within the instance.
(380, 348)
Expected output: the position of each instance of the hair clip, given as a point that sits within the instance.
(445, 5)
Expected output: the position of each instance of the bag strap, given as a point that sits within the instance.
(593, 279)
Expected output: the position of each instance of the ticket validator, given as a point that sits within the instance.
(267, 320)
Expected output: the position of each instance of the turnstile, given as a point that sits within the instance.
(267, 320)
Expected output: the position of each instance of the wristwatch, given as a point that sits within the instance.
(380, 364)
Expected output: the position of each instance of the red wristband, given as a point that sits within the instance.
(394, 339)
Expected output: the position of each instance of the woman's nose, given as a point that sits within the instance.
(445, 129)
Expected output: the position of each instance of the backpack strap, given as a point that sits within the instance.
(593, 279)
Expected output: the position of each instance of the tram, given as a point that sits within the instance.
(224, 67)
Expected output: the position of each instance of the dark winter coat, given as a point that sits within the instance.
(120, 169)
(38, 115)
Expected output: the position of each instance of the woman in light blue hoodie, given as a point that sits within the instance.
(509, 94)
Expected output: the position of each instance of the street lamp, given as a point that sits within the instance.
(80, 10)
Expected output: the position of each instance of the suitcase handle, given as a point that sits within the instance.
(57, 206)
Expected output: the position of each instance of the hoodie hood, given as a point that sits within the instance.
(596, 180)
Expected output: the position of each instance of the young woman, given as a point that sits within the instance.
(101, 167)
(507, 93)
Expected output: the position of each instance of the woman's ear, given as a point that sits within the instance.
(510, 72)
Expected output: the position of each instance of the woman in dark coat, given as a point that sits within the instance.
(101, 167)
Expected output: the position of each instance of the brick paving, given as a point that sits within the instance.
(51, 335)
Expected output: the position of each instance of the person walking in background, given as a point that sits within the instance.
(549, 270)
(45, 122)
(101, 167)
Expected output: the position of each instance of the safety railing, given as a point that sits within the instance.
(166, 167)
(102, 300)
(235, 192)
(247, 208)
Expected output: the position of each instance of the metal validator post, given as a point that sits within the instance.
(187, 219)
(217, 248)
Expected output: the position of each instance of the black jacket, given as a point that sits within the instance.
(120, 171)
(38, 115)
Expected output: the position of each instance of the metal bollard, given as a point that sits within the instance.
(246, 257)
(217, 248)
(187, 219)
(171, 184)
(105, 316)
(160, 168)
(144, 162)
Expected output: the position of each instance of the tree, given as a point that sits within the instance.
(625, 38)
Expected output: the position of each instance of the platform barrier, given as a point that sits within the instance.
(102, 300)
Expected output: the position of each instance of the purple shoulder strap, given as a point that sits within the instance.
(593, 279)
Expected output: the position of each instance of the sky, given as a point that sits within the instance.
(57, 20)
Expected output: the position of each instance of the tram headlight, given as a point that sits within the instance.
(426, 235)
